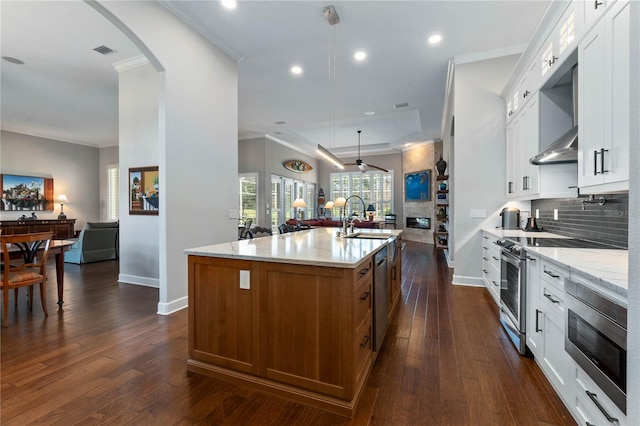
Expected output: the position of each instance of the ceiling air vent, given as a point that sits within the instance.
(103, 49)
(402, 105)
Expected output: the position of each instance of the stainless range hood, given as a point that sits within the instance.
(565, 148)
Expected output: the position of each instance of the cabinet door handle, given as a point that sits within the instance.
(531, 259)
(494, 282)
(485, 271)
(602, 151)
(594, 398)
(538, 329)
(595, 162)
(364, 296)
(551, 298)
(524, 183)
(596, 3)
(495, 258)
(510, 188)
(485, 258)
(525, 94)
(365, 342)
(552, 275)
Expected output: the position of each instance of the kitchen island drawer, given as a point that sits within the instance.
(362, 303)
(553, 273)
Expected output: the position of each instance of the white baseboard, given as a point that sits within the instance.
(133, 279)
(468, 281)
(173, 306)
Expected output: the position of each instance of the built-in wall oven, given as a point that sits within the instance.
(513, 292)
(596, 338)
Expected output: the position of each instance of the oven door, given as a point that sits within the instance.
(511, 288)
(599, 346)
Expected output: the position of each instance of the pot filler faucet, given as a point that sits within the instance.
(594, 200)
(344, 221)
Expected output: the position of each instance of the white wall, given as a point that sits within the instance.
(197, 138)
(479, 158)
(73, 169)
(139, 147)
(633, 363)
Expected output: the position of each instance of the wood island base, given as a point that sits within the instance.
(312, 399)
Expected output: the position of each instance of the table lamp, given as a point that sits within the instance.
(328, 208)
(62, 198)
(299, 203)
(371, 209)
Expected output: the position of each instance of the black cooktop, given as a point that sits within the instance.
(559, 242)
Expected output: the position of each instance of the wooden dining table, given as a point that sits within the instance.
(57, 247)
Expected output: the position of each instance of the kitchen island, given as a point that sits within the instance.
(291, 314)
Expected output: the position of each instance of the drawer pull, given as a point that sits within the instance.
(495, 258)
(364, 271)
(364, 296)
(486, 238)
(551, 274)
(531, 259)
(485, 258)
(551, 298)
(485, 271)
(538, 329)
(365, 342)
(494, 283)
(485, 248)
(596, 3)
(594, 398)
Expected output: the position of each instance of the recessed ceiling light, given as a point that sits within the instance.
(369, 112)
(296, 70)
(279, 123)
(360, 55)
(13, 60)
(229, 4)
(435, 39)
(401, 105)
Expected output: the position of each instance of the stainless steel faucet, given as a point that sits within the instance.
(594, 200)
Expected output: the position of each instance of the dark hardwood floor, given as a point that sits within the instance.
(107, 358)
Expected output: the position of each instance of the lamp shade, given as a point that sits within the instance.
(340, 202)
(62, 198)
(371, 208)
(299, 202)
(329, 205)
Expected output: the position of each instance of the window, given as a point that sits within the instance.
(283, 192)
(248, 187)
(373, 187)
(113, 182)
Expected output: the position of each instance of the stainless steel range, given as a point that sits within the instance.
(513, 262)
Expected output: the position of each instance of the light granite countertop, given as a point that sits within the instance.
(608, 268)
(318, 247)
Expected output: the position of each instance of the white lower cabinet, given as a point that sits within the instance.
(590, 405)
(491, 265)
(546, 322)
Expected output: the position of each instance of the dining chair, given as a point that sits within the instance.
(25, 264)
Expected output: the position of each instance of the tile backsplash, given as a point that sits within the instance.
(608, 224)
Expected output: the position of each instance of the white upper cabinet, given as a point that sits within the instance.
(590, 11)
(560, 44)
(603, 110)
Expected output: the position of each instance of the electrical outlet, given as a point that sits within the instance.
(555, 214)
(478, 213)
(537, 213)
(245, 280)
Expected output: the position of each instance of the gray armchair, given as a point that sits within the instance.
(98, 241)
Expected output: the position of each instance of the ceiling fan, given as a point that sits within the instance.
(361, 164)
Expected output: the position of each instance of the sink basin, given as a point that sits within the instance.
(369, 235)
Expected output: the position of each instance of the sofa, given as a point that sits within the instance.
(97, 241)
(330, 223)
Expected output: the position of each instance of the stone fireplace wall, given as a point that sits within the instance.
(415, 159)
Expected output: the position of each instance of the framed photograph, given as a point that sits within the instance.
(417, 186)
(144, 190)
(26, 193)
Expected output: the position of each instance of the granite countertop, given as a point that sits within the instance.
(608, 268)
(318, 247)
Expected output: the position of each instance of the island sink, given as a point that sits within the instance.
(369, 235)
